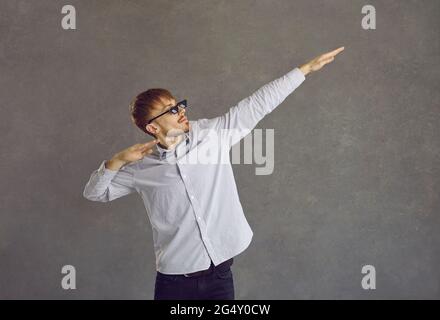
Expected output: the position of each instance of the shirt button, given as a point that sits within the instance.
(192, 197)
(199, 218)
(183, 175)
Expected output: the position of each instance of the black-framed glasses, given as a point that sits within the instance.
(172, 110)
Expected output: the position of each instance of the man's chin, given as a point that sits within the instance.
(186, 126)
(179, 131)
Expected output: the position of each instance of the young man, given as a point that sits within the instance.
(197, 220)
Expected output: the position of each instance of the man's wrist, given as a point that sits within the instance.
(305, 69)
(114, 164)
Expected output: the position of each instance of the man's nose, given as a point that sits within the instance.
(182, 110)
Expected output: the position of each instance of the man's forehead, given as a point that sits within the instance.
(166, 103)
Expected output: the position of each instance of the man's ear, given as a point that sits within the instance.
(151, 128)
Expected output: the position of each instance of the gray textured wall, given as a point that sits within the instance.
(357, 146)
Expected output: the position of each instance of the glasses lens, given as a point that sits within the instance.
(174, 109)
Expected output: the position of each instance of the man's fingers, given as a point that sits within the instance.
(328, 60)
(324, 59)
(147, 151)
(336, 51)
(332, 53)
(148, 145)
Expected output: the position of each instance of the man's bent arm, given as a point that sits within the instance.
(106, 185)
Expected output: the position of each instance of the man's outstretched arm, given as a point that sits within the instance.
(244, 116)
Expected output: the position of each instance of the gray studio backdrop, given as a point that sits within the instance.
(357, 146)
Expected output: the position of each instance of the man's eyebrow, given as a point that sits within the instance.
(166, 107)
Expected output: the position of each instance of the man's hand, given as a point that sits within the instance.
(320, 61)
(131, 154)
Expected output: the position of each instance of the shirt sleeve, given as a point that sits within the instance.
(243, 117)
(106, 185)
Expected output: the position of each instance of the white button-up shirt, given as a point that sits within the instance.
(189, 191)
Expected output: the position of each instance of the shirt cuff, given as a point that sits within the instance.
(296, 76)
(103, 171)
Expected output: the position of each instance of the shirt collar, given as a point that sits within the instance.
(164, 153)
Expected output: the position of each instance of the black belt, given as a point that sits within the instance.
(222, 266)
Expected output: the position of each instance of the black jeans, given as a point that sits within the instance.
(217, 284)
